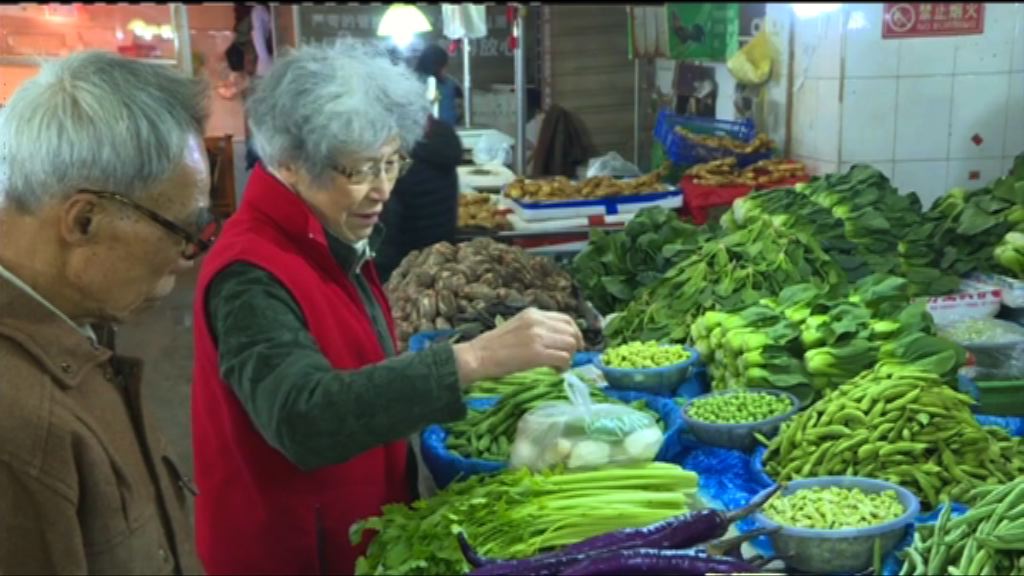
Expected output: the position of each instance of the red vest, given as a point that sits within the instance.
(257, 512)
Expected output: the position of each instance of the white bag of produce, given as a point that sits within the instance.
(579, 434)
(997, 347)
(975, 303)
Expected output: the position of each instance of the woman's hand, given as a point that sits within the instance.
(533, 338)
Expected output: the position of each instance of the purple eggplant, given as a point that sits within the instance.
(657, 561)
(680, 532)
(474, 559)
(554, 563)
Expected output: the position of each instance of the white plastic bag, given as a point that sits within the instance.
(493, 148)
(579, 434)
(611, 164)
(996, 347)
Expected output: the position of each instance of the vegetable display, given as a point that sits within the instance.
(973, 231)
(733, 272)
(634, 355)
(671, 546)
(480, 211)
(724, 172)
(741, 407)
(615, 266)
(804, 341)
(517, 514)
(862, 222)
(761, 142)
(834, 508)
(470, 286)
(985, 540)
(902, 423)
(561, 188)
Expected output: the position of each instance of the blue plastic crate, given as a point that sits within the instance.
(686, 153)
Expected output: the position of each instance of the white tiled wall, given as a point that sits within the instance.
(910, 107)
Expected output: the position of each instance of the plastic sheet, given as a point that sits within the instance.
(446, 466)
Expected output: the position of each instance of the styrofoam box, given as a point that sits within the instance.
(531, 212)
(1013, 290)
(969, 304)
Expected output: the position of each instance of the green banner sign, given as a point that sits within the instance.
(704, 31)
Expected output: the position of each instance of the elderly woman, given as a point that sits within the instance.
(104, 185)
(300, 405)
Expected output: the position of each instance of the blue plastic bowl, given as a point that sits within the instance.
(738, 436)
(663, 381)
(847, 551)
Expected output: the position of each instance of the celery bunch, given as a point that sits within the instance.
(517, 514)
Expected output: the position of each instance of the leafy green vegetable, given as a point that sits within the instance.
(615, 266)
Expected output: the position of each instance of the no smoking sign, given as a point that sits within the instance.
(923, 19)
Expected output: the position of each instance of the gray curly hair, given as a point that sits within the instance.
(326, 101)
(96, 120)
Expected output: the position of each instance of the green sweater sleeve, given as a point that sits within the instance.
(316, 415)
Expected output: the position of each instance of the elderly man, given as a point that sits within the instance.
(103, 194)
(300, 406)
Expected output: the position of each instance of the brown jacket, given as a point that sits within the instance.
(78, 457)
(563, 145)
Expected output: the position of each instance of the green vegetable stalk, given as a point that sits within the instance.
(517, 514)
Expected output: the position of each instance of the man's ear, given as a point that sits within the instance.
(78, 218)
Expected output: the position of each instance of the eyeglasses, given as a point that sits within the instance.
(392, 168)
(208, 224)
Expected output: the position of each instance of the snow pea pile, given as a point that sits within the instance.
(682, 545)
(986, 540)
(739, 407)
(634, 355)
(900, 423)
(834, 508)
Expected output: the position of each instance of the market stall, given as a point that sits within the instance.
(833, 336)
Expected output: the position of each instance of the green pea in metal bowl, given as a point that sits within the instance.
(844, 551)
(663, 380)
(738, 436)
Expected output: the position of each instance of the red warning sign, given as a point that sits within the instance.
(924, 19)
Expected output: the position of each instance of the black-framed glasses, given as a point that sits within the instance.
(391, 168)
(208, 224)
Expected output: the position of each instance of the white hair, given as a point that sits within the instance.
(100, 121)
(322, 102)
